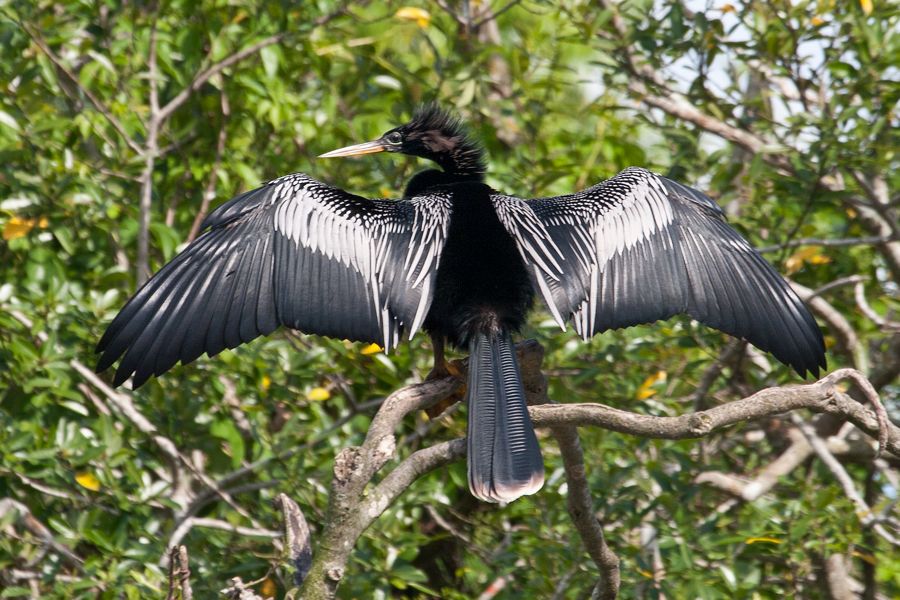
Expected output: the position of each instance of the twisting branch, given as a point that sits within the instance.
(581, 509)
(863, 510)
(353, 508)
(297, 542)
(859, 293)
(95, 102)
(202, 77)
(821, 396)
(151, 150)
(210, 192)
(876, 217)
(22, 514)
(838, 324)
(349, 511)
(205, 75)
(179, 574)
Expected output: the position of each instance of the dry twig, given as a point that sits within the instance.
(179, 574)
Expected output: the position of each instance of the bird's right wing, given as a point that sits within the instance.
(639, 247)
(295, 252)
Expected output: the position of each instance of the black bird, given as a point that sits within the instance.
(464, 262)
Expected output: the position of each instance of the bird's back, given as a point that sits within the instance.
(481, 282)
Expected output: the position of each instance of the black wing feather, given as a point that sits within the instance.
(295, 252)
(639, 247)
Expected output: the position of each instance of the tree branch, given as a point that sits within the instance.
(297, 542)
(38, 529)
(151, 150)
(179, 574)
(210, 192)
(821, 396)
(878, 218)
(95, 102)
(203, 76)
(863, 510)
(580, 505)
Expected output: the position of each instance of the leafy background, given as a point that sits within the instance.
(548, 88)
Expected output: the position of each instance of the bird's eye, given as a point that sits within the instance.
(394, 138)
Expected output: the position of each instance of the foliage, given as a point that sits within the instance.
(547, 90)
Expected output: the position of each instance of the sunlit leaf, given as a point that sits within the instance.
(647, 390)
(8, 120)
(88, 480)
(411, 13)
(809, 255)
(18, 227)
(268, 588)
(759, 540)
(318, 394)
(372, 349)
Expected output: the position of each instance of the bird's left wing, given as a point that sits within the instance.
(295, 252)
(639, 247)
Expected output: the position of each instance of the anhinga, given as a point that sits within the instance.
(464, 262)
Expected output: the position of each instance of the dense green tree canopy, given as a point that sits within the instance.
(121, 124)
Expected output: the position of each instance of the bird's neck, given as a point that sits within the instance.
(466, 161)
(461, 163)
(422, 181)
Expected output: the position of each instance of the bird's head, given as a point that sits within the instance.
(432, 133)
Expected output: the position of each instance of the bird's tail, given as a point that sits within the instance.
(504, 457)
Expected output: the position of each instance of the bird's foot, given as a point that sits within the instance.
(441, 370)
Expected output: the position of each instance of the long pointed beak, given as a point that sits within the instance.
(355, 150)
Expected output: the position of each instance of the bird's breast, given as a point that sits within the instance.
(482, 282)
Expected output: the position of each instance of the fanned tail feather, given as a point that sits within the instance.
(504, 457)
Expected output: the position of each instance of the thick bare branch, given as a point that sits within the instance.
(581, 509)
(838, 578)
(297, 541)
(821, 396)
(179, 574)
(340, 536)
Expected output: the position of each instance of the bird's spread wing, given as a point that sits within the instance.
(639, 247)
(294, 252)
